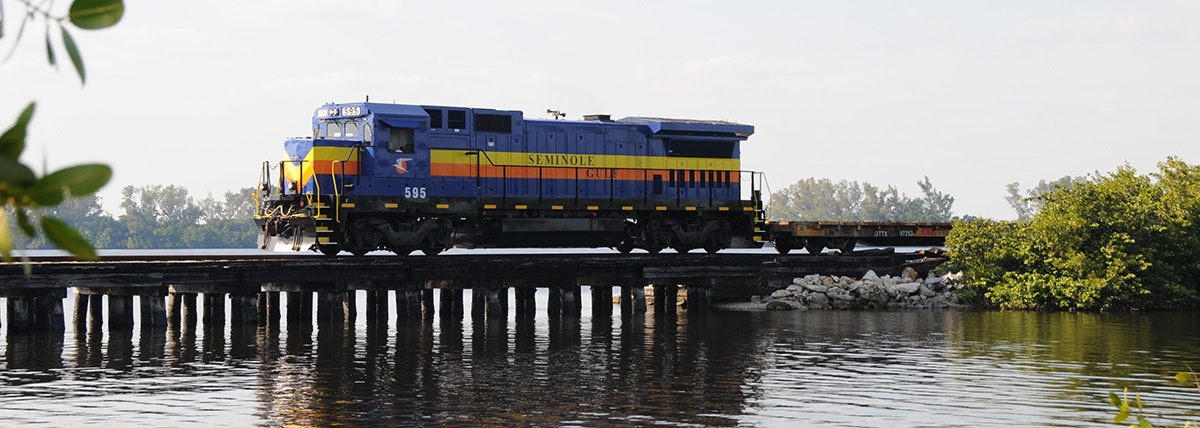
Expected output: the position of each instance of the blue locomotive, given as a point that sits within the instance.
(397, 177)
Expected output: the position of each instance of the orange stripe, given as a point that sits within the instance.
(329, 167)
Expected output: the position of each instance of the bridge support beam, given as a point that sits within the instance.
(35, 310)
(572, 302)
(666, 297)
(190, 312)
(120, 312)
(273, 308)
(554, 302)
(214, 309)
(153, 311)
(451, 303)
(699, 299)
(526, 305)
(331, 307)
(602, 301)
(79, 317)
(427, 306)
(377, 306)
(299, 309)
(408, 304)
(243, 309)
(633, 300)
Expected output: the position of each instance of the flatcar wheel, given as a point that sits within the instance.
(712, 248)
(814, 247)
(783, 248)
(844, 245)
(653, 250)
(625, 247)
(359, 252)
(682, 249)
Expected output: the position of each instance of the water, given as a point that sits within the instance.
(727, 368)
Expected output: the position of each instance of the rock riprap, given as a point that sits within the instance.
(906, 291)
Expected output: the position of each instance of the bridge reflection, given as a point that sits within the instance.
(400, 370)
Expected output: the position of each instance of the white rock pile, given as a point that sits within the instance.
(906, 291)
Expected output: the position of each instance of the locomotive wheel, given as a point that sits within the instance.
(682, 249)
(712, 248)
(783, 248)
(624, 247)
(653, 250)
(329, 250)
(430, 249)
(359, 252)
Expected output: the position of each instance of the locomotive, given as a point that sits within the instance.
(397, 177)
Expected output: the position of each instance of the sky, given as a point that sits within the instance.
(972, 94)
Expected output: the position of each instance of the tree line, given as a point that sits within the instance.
(161, 217)
(1115, 241)
(815, 199)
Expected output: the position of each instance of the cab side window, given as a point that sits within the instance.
(401, 140)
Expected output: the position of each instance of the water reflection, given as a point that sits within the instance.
(719, 369)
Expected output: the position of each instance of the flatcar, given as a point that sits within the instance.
(397, 177)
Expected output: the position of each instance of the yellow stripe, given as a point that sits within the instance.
(489, 206)
(443, 206)
(747, 208)
(556, 207)
(322, 229)
(586, 161)
(689, 208)
(723, 209)
(660, 208)
(323, 240)
(347, 205)
(302, 170)
(521, 207)
(593, 207)
(627, 208)
(390, 205)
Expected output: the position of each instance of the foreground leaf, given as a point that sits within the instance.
(79, 180)
(24, 223)
(73, 52)
(50, 50)
(1183, 377)
(66, 238)
(96, 14)
(14, 173)
(5, 237)
(12, 141)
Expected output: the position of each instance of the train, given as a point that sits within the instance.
(403, 178)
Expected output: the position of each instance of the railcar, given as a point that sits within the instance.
(396, 177)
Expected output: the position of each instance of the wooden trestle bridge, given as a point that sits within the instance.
(168, 288)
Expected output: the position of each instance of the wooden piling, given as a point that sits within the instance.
(699, 299)
(214, 309)
(526, 305)
(601, 301)
(120, 312)
(408, 304)
(330, 307)
(153, 311)
(451, 303)
(81, 308)
(427, 307)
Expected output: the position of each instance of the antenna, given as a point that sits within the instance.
(557, 114)
(368, 99)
